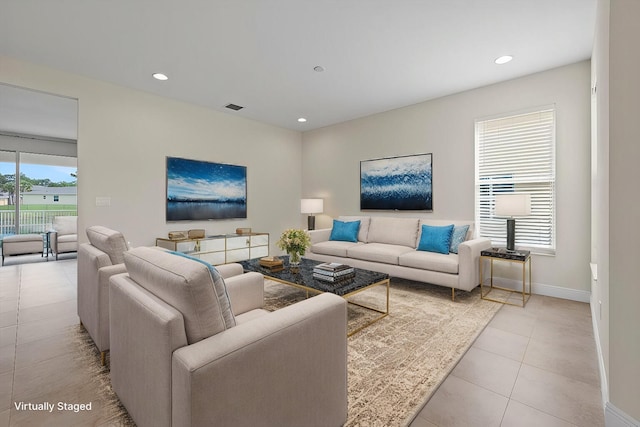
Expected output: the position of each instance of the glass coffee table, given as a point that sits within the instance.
(302, 277)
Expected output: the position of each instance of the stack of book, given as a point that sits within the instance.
(333, 272)
(272, 263)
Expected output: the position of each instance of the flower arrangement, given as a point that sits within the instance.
(295, 242)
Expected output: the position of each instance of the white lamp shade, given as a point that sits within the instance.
(513, 204)
(311, 206)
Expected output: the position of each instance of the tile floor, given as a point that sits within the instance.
(37, 361)
(530, 367)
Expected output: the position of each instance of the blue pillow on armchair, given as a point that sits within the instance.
(345, 231)
(435, 239)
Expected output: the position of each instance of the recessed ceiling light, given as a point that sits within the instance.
(302, 120)
(160, 76)
(503, 59)
(318, 68)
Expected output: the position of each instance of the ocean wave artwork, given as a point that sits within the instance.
(200, 190)
(397, 183)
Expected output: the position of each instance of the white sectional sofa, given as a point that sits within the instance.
(393, 245)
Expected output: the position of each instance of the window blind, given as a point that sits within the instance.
(516, 153)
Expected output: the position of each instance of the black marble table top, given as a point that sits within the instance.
(303, 276)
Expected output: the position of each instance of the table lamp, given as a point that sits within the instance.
(510, 205)
(311, 206)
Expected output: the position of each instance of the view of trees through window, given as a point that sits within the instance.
(47, 187)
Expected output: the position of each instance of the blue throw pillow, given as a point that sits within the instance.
(459, 235)
(345, 231)
(436, 239)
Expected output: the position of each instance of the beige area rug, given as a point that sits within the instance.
(397, 363)
(112, 412)
(394, 365)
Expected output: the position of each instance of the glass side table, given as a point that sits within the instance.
(502, 255)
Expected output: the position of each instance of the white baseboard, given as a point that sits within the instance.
(604, 381)
(614, 417)
(547, 290)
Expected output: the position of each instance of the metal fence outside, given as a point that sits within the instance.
(31, 221)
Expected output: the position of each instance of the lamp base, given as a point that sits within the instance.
(511, 235)
(311, 222)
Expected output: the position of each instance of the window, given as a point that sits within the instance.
(516, 153)
(24, 205)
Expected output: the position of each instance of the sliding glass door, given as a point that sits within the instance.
(46, 187)
(7, 192)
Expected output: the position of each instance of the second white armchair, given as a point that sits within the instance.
(98, 260)
(181, 357)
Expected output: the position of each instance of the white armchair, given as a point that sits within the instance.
(98, 260)
(65, 236)
(186, 353)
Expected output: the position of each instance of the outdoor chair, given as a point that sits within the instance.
(64, 237)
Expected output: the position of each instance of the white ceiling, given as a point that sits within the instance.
(378, 55)
(29, 112)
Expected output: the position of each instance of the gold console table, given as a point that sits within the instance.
(221, 249)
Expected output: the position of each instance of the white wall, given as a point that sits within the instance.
(624, 207)
(33, 145)
(125, 135)
(615, 67)
(445, 127)
(600, 190)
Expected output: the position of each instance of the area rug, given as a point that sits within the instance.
(113, 412)
(394, 365)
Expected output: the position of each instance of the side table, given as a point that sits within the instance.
(502, 255)
(46, 240)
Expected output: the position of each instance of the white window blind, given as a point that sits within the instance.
(517, 154)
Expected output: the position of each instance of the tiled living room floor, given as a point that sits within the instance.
(530, 367)
(535, 366)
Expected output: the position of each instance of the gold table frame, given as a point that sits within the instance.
(525, 295)
(308, 289)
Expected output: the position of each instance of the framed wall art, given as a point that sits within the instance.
(397, 183)
(199, 190)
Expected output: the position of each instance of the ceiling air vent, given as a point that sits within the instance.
(234, 107)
